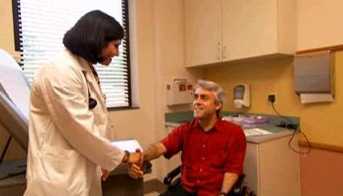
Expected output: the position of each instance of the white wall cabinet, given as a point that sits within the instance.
(230, 30)
(202, 32)
(272, 168)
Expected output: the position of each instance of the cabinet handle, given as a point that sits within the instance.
(224, 52)
(218, 52)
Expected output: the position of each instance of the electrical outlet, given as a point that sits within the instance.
(272, 98)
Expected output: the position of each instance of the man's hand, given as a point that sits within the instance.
(135, 171)
(154, 151)
(229, 181)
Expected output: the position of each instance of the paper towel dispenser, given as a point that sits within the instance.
(313, 72)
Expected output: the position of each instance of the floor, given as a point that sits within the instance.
(153, 187)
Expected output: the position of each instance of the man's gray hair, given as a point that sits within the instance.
(213, 87)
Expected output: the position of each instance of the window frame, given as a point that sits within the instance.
(126, 26)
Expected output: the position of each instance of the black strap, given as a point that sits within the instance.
(95, 74)
(171, 175)
(3, 153)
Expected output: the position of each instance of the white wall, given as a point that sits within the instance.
(169, 62)
(6, 26)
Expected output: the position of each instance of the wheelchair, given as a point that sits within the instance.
(172, 180)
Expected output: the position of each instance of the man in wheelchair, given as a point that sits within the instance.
(213, 150)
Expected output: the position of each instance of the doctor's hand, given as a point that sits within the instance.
(104, 174)
(135, 158)
(136, 164)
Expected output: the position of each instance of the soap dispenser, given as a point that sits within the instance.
(241, 96)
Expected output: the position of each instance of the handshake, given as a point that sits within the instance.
(135, 163)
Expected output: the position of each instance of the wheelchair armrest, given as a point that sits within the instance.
(171, 175)
(238, 188)
(147, 167)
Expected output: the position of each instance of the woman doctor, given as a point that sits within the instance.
(68, 115)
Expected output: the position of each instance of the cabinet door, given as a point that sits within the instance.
(202, 32)
(251, 167)
(249, 28)
(279, 169)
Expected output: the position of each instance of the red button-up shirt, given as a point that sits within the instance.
(207, 155)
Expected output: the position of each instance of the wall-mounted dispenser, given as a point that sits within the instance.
(314, 77)
(179, 92)
(241, 95)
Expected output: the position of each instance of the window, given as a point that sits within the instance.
(39, 29)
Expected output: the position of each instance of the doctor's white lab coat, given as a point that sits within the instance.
(67, 144)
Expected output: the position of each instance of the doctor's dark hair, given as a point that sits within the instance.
(91, 33)
(213, 87)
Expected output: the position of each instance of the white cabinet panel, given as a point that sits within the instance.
(229, 30)
(202, 31)
(272, 168)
